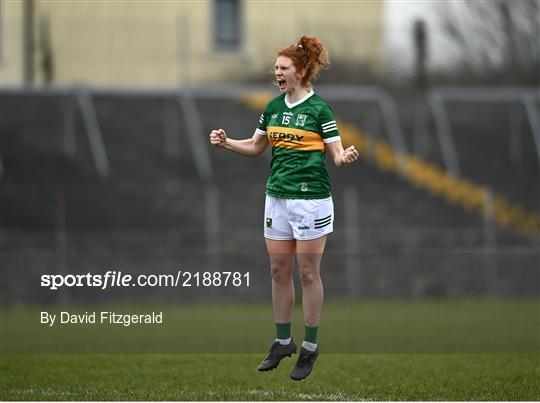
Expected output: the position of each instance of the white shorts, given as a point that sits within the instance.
(300, 219)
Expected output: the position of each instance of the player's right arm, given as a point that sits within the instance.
(252, 147)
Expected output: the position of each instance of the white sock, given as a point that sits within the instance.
(284, 342)
(309, 346)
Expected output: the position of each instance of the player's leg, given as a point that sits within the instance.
(281, 246)
(312, 221)
(281, 255)
(309, 254)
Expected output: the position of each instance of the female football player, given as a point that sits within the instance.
(299, 213)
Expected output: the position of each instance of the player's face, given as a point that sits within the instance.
(285, 74)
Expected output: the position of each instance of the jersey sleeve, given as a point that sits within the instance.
(263, 122)
(327, 125)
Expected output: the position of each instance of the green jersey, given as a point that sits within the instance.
(298, 134)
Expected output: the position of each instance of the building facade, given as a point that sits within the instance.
(170, 43)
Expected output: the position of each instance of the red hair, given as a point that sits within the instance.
(308, 54)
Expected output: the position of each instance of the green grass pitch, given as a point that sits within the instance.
(233, 377)
(396, 350)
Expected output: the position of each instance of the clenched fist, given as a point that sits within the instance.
(218, 138)
(350, 154)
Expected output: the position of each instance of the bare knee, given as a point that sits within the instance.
(308, 275)
(281, 272)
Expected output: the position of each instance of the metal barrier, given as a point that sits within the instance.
(388, 110)
(194, 126)
(88, 111)
(83, 98)
(438, 97)
(357, 270)
(185, 98)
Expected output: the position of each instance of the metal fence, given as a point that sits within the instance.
(370, 259)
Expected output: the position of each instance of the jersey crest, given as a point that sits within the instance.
(300, 120)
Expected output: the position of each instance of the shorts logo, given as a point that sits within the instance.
(303, 187)
(304, 227)
(268, 222)
(300, 120)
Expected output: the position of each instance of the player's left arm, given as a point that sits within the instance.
(342, 157)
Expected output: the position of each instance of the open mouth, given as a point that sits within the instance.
(281, 83)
